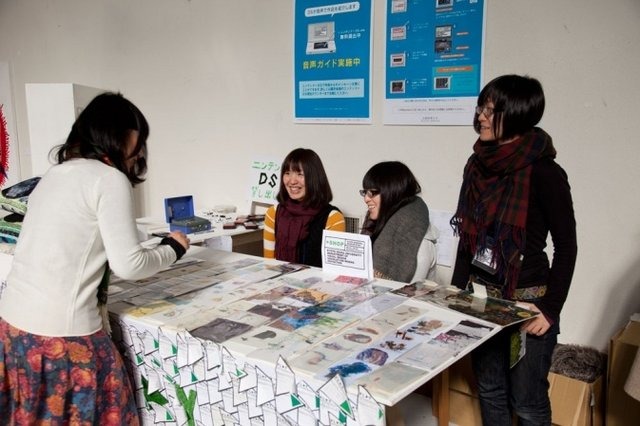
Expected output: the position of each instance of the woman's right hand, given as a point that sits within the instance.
(180, 237)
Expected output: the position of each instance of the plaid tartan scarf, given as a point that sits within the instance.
(494, 200)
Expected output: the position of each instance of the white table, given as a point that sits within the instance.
(165, 357)
(247, 241)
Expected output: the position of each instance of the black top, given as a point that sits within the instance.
(310, 249)
(550, 212)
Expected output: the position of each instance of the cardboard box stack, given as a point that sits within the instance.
(622, 409)
(573, 403)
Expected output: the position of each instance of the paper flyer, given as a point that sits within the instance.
(344, 253)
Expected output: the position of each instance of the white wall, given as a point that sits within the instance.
(214, 79)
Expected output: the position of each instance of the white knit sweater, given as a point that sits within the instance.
(80, 214)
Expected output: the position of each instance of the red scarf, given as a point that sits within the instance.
(494, 199)
(292, 226)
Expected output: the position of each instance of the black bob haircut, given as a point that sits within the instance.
(316, 184)
(518, 104)
(101, 132)
(397, 187)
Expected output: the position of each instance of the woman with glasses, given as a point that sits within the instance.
(293, 227)
(397, 220)
(513, 196)
(58, 364)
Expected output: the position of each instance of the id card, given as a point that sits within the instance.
(484, 259)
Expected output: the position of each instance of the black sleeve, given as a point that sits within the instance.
(462, 268)
(176, 246)
(556, 204)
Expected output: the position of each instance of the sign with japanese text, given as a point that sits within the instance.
(332, 61)
(264, 180)
(433, 61)
(347, 254)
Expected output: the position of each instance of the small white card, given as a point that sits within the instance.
(479, 290)
(345, 253)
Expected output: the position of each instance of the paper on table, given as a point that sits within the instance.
(446, 240)
(222, 242)
(369, 412)
(265, 388)
(335, 391)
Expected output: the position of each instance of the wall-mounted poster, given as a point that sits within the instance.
(434, 54)
(332, 61)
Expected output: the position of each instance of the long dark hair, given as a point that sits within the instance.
(101, 132)
(397, 187)
(518, 105)
(316, 184)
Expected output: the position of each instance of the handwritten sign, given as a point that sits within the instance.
(264, 180)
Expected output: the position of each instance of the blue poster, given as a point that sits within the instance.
(434, 52)
(332, 61)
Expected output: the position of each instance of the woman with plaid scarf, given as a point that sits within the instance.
(513, 196)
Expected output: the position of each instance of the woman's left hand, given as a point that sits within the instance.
(536, 326)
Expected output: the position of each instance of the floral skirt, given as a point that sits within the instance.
(78, 380)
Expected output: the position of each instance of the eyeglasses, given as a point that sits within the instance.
(369, 192)
(487, 111)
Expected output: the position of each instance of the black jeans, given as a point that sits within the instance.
(524, 389)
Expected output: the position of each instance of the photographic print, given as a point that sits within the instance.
(220, 330)
(271, 310)
(497, 311)
(263, 337)
(273, 294)
(294, 320)
(416, 289)
(309, 296)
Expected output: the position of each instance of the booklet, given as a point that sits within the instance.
(497, 311)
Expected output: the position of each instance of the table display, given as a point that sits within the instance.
(229, 338)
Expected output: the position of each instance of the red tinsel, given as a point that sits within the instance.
(4, 147)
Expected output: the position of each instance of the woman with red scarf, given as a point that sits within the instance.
(293, 228)
(513, 196)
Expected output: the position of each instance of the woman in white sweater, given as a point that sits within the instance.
(57, 363)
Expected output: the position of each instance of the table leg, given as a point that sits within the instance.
(441, 397)
(394, 416)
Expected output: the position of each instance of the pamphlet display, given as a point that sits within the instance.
(246, 340)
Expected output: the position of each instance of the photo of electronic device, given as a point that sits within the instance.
(321, 38)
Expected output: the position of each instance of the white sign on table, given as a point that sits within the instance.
(345, 253)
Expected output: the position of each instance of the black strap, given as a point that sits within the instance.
(175, 245)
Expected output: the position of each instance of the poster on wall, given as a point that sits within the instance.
(332, 61)
(433, 61)
(9, 152)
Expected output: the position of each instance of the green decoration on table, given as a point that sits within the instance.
(155, 396)
(187, 403)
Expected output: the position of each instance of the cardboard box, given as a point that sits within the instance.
(622, 409)
(464, 409)
(573, 402)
